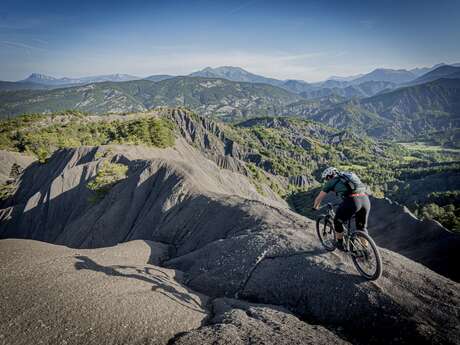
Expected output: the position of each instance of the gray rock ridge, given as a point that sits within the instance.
(237, 322)
(208, 137)
(394, 227)
(214, 142)
(55, 208)
(229, 241)
(301, 181)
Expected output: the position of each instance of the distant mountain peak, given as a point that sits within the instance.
(237, 74)
(390, 70)
(230, 68)
(208, 69)
(443, 71)
(348, 78)
(39, 76)
(398, 76)
(223, 70)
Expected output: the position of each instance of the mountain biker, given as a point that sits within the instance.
(354, 200)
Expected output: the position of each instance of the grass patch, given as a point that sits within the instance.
(423, 146)
(351, 167)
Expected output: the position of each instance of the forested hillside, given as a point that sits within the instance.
(284, 153)
(403, 114)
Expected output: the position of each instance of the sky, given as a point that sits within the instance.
(307, 40)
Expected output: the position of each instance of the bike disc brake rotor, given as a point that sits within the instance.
(327, 235)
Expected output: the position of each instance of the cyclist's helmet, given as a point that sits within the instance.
(329, 172)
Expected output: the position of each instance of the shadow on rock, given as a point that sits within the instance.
(161, 282)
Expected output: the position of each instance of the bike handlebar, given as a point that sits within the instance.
(330, 205)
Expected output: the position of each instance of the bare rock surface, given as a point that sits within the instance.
(240, 323)
(56, 295)
(409, 304)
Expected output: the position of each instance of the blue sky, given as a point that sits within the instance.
(308, 40)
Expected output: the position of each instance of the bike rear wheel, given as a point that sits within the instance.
(326, 233)
(365, 255)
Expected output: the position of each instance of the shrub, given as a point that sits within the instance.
(6, 190)
(257, 177)
(22, 135)
(107, 176)
(448, 215)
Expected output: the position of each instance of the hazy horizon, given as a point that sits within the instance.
(185, 74)
(307, 40)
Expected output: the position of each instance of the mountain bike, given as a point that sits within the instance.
(358, 244)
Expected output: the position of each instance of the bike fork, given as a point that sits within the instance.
(346, 244)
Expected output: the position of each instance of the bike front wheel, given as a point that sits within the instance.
(365, 255)
(326, 233)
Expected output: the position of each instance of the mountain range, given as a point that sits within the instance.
(52, 81)
(230, 73)
(423, 70)
(446, 71)
(381, 109)
(38, 81)
(388, 75)
(402, 113)
(300, 86)
(209, 96)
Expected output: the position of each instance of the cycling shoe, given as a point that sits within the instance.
(339, 246)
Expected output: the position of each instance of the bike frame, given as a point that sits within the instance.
(347, 232)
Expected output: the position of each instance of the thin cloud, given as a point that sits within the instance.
(368, 23)
(242, 7)
(173, 47)
(20, 45)
(27, 48)
(19, 24)
(300, 56)
(40, 41)
(308, 66)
